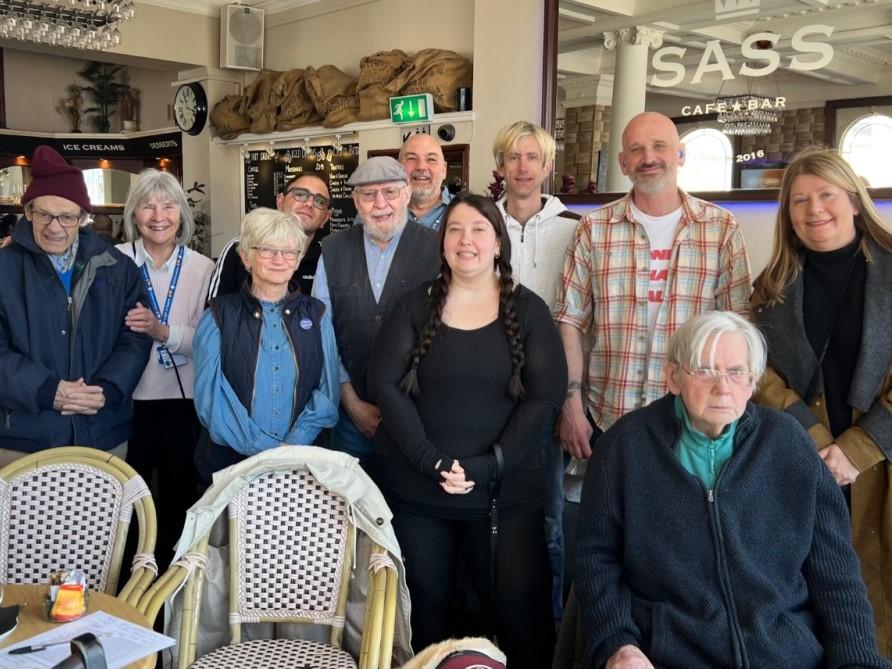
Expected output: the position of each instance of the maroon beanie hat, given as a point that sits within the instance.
(51, 175)
(469, 659)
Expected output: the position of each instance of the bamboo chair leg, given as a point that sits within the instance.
(375, 621)
(389, 626)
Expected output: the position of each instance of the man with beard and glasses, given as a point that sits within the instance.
(423, 159)
(363, 271)
(637, 269)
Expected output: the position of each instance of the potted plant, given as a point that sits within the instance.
(129, 103)
(72, 107)
(198, 203)
(105, 91)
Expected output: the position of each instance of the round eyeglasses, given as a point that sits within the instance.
(705, 376)
(268, 253)
(45, 218)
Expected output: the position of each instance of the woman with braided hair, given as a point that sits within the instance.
(467, 371)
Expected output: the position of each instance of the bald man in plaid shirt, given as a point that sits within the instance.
(637, 269)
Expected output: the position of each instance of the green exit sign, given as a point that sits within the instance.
(412, 108)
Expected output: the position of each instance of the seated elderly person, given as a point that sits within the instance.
(266, 359)
(711, 534)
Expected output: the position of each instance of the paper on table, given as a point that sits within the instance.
(126, 642)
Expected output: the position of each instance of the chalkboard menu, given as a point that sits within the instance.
(265, 176)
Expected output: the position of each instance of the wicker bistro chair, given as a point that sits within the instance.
(71, 507)
(292, 551)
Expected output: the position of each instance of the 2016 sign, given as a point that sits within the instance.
(714, 59)
(746, 157)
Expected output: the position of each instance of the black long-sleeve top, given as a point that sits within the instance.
(464, 408)
(834, 281)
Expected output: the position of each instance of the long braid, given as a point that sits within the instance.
(440, 288)
(508, 316)
(437, 299)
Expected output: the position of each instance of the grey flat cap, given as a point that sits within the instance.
(378, 170)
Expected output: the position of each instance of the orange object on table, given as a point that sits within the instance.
(70, 604)
(32, 620)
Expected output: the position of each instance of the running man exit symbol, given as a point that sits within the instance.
(411, 108)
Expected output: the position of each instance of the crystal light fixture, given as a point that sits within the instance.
(77, 24)
(747, 115)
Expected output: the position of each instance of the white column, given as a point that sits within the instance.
(629, 89)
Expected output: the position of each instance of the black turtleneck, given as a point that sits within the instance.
(834, 295)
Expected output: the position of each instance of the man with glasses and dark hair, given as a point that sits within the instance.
(364, 270)
(68, 363)
(308, 198)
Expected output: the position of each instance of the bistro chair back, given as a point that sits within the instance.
(71, 507)
(292, 547)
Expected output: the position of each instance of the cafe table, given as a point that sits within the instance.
(32, 620)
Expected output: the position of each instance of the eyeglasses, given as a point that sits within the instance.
(390, 193)
(268, 253)
(709, 377)
(45, 218)
(302, 195)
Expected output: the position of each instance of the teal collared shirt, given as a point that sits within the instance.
(699, 454)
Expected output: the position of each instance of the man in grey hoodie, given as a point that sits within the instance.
(540, 228)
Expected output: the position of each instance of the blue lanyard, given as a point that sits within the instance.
(162, 317)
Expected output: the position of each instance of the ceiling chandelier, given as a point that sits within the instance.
(746, 115)
(77, 24)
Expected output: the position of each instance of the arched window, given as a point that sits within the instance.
(708, 161)
(866, 144)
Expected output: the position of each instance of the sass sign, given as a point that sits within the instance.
(714, 59)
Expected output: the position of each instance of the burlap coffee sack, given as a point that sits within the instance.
(295, 106)
(439, 72)
(333, 94)
(262, 104)
(381, 76)
(228, 117)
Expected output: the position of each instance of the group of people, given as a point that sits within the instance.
(499, 368)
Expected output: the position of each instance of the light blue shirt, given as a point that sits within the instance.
(377, 262)
(434, 217)
(269, 423)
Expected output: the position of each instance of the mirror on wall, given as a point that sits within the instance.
(108, 187)
(13, 180)
(748, 83)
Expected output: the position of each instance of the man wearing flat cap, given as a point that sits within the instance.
(363, 271)
(68, 364)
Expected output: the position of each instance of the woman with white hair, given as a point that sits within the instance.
(710, 533)
(158, 224)
(266, 359)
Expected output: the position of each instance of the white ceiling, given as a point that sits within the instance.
(861, 39)
(212, 7)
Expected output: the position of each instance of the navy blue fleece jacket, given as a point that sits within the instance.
(758, 572)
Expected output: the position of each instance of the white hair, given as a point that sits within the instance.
(687, 344)
(154, 183)
(263, 226)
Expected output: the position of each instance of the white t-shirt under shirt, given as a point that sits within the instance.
(661, 233)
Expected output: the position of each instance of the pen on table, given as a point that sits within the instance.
(34, 649)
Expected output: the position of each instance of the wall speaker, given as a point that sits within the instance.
(241, 37)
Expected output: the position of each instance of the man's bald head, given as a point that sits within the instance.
(423, 159)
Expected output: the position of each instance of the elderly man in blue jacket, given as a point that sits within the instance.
(68, 364)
